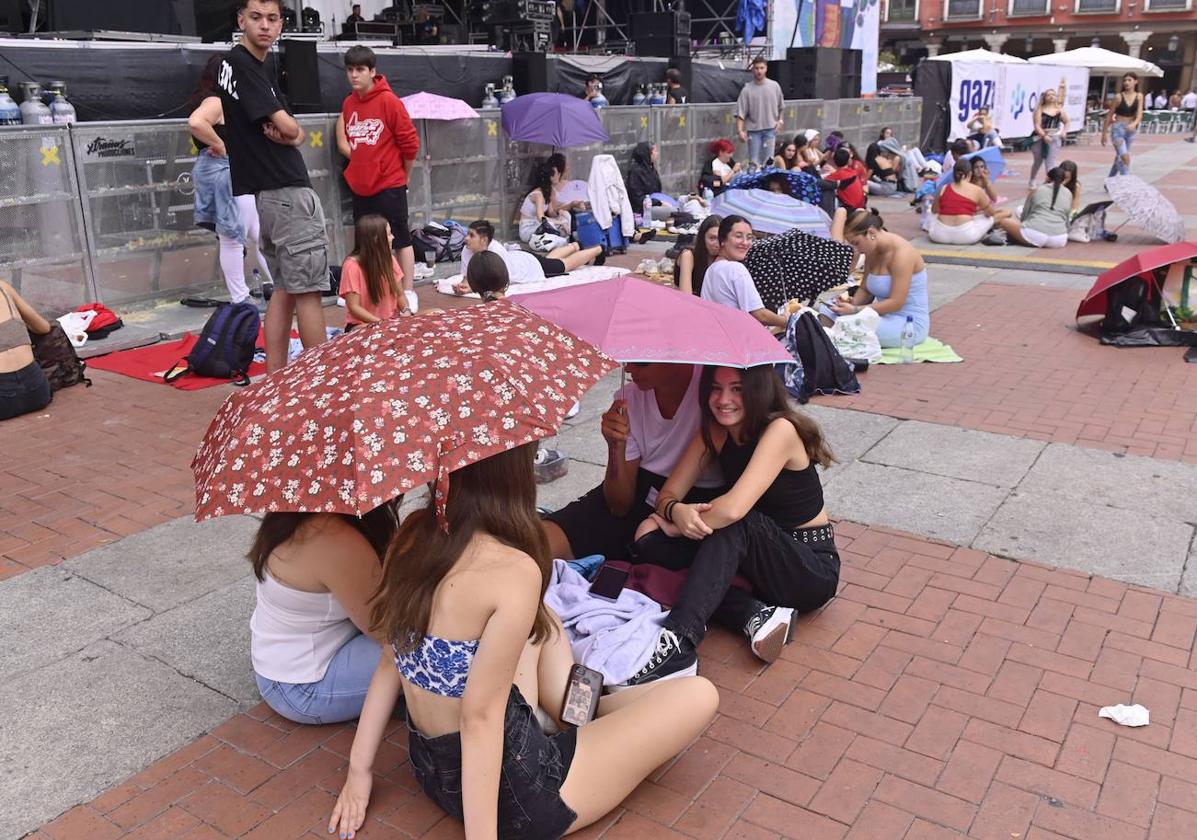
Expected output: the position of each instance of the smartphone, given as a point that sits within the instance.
(608, 583)
(581, 696)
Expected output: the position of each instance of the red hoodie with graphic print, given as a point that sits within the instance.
(381, 137)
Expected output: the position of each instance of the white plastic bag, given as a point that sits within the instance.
(855, 336)
(75, 325)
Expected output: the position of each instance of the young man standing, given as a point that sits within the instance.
(375, 132)
(264, 160)
(675, 94)
(758, 113)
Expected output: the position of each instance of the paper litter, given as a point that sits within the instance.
(1135, 715)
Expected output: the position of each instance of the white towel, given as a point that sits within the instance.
(577, 277)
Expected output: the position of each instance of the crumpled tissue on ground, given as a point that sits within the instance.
(1135, 715)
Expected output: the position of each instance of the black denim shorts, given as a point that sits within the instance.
(23, 391)
(534, 766)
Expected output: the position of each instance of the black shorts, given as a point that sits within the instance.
(591, 528)
(552, 267)
(391, 205)
(533, 769)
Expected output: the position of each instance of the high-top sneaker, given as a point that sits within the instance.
(769, 630)
(673, 657)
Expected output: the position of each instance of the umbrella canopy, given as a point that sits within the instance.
(802, 186)
(429, 106)
(633, 320)
(979, 56)
(1146, 207)
(553, 119)
(771, 212)
(1101, 62)
(1095, 299)
(798, 265)
(992, 155)
(360, 419)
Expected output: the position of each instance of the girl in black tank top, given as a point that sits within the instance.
(769, 526)
(1122, 124)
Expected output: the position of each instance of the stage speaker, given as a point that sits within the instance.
(532, 72)
(215, 20)
(10, 16)
(660, 25)
(822, 73)
(662, 46)
(301, 76)
(681, 63)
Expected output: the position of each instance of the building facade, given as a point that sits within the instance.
(1161, 31)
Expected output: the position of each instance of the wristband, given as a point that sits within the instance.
(668, 514)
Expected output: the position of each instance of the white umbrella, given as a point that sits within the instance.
(1101, 62)
(980, 56)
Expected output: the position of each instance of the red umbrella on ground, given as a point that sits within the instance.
(1094, 302)
(360, 419)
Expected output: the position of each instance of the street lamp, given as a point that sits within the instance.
(1095, 43)
(1174, 43)
(1029, 44)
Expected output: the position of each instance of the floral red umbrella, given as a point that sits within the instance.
(391, 406)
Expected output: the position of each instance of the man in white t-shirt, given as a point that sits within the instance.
(524, 266)
(647, 428)
(730, 284)
(1189, 101)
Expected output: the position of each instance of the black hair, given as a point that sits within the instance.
(359, 56)
(207, 81)
(483, 228)
(673, 75)
(729, 222)
(961, 169)
(1055, 177)
(243, 4)
(377, 526)
(799, 140)
(862, 221)
(487, 275)
(702, 260)
(841, 157)
(960, 147)
(760, 59)
(835, 133)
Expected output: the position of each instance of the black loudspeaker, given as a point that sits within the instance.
(681, 63)
(301, 76)
(10, 16)
(532, 72)
(215, 20)
(779, 71)
(660, 25)
(665, 47)
(821, 73)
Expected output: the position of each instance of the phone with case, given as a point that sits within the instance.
(582, 695)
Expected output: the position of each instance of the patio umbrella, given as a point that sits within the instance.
(367, 416)
(429, 106)
(553, 119)
(979, 56)
(992, 155)
(1146, 207)
(1094, 302)
(802, 186)
(633, 320)
(771, 212)
(1099, 61)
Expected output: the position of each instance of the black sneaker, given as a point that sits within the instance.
(673, 658)
(769, 630)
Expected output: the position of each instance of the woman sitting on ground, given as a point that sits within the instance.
(370, 275)
(310, 641)
(979, 175)
(1045, 215)
(475, 651)
(786, 155)
(643, 180)
(770, 526)
(981, 126)
(487, 276)
(692, 263)
(728, 282)
(963, 211)
(884, 172)
(23, 384)
(543, 204)
(721, 168)
(895, 283)
(811, 154)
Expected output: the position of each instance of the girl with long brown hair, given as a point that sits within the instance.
(693, 262)
(770, 526)
(475, 649)
(370, 276)
(1122, 123)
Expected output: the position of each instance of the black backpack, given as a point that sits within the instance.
(57, 358)
(226, 346)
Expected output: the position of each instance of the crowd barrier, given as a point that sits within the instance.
(103, 210)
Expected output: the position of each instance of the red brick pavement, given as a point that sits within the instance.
(943, 694)
(1028, 372)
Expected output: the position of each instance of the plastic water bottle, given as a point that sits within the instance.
(10, 111)
(708, 195)
(647, 210)
(906, 352)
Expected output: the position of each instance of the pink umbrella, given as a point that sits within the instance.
(429, 106)
(633, 320)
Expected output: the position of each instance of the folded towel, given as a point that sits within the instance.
(931, 350)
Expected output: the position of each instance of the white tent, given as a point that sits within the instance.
(1101, 62)
(979, 56)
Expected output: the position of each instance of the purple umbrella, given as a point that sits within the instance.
(553, 119)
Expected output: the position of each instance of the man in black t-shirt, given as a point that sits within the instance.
(675, 94)
(263, 142)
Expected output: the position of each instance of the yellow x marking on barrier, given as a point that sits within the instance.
(644, 122)
(681, 121)
(492, 128)
(50, 155)
(317, 139)
(194, 148)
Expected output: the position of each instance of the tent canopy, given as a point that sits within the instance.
(979, 56)
(1101, 62)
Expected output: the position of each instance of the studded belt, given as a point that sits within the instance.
(817, 534)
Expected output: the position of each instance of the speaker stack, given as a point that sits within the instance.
(818, 73)
(532, 72)
(301, 76)
(664, 34)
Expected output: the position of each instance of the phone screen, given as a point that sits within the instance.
(608, 583)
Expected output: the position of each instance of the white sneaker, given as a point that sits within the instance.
(769, 630)
(573, 412)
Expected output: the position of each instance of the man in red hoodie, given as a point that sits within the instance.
(375, 132)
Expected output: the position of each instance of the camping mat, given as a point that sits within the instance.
(931, 350)
(149, 364)
(586, 274)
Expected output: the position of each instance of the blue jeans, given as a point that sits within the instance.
(760, 146)
(1121, 137)
(215, 208)
(336, 698)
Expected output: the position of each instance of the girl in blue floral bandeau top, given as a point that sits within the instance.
(474, 648)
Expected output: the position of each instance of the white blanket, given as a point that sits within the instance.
(586, 274)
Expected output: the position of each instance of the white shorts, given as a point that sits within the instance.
(1042, 240)
(969, 233)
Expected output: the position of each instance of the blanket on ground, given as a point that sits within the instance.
(931, 350)
(586, 274)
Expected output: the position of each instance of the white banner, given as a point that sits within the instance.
(848, 24)
(1011, 92)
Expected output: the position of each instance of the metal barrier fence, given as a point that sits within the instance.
(103, 211)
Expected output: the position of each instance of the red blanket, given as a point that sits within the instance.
(151, 363)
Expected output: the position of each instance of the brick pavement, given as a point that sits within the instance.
(1028, 372)
(945, 693)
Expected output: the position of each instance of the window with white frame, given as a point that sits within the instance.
(1029, 8)
(962, 10)
(902, 11)
(1098, 6)
(1169, 5)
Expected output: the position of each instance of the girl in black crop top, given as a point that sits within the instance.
(1050, 125)
(1122, 123)
(769, 526)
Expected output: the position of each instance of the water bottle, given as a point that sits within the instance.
(708, 195)
(647, 210)
(257, 282)
(10, 111)
(906, 353)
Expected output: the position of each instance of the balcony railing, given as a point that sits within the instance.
(1169, 5)
(1029, 8)
(1095, 7)
(962, 10)
(902, 11)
